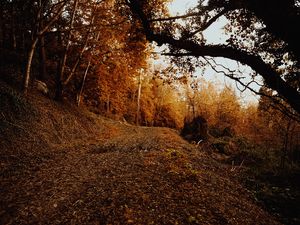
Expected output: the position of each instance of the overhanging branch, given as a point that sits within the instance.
(271, 77)
(176, 17)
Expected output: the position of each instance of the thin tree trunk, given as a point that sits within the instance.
(2, 28)
(291, 141)
(23, 31)
(28, 66)
(285, 145)
(65, 54)
(139, 101)
(80, 54)
(58, 82)
(76, 64)
(42, 60)
(82, 83)
(107, 104)
(86, 72)
(33, 46)
(13, 29)
(42, 56)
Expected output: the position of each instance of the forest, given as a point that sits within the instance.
(119, 77)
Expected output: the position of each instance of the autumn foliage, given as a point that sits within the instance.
(95, 54)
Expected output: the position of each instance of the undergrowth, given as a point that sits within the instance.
(14, 106)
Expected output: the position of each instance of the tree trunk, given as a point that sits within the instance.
(81, 53)
(65, 54)
(58, 81)
(42, 59)
(58, 91)
(108, 104)
(35, 39)
(42, 55)
(285, 145)
(13, 29)
(138, 110)
(2, 27)
(87, 68)
(28, 66)
(82, 83)
(74, 68)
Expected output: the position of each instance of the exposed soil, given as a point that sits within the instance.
(62, 165)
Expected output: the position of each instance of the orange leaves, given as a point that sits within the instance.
(121, 53)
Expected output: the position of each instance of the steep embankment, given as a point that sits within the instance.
(62, 165)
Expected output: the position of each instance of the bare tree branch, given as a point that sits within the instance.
(276, 100)
(176, 17)
(207, 24)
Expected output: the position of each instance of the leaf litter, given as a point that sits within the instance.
(100, 171)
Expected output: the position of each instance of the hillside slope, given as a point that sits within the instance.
(63, 165)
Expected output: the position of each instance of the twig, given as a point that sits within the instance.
(234, 168)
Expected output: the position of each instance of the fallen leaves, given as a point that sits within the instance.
(122, 175)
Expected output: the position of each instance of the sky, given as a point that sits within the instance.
(216, 35)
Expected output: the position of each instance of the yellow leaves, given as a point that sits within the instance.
(159, 7)
(120, 52)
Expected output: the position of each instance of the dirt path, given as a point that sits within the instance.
(129, 176)
(63, 165)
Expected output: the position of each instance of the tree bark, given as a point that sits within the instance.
(138, 110)
(42, 60)
(82, 83)
(86, 71)
(13, 28)
(2, 27)
(285, 144)
(42, 56)
(58, 83)
(33, 47)
(65, 55)
(28, 66)
(80, 54)
(108, 104)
